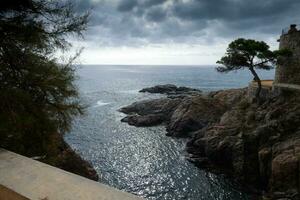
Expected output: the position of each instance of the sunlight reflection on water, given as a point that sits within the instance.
(144, 161)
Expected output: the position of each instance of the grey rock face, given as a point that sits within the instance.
(153, 106)
(192, 114)
(259, 145)
(144, 120)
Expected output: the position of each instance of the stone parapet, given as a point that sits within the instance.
(22, 178)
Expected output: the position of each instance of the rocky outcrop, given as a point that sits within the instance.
(150, 112)
(229, 97)
(182, 113)
(70, 161)
(144, 120)
(170, 89)
(61, 155)
(257, 144)
(163, 106)
(194, 113)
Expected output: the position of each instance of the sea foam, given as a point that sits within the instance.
(101, 103)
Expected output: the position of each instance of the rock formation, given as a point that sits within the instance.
(258, 145)
(170, 89)
(61, 155)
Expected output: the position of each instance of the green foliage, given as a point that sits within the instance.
(243, 53)
(250, 54)
(38, 94)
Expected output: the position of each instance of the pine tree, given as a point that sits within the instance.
(38, 97)
(250, 54)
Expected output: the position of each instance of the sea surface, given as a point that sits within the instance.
(144, 161)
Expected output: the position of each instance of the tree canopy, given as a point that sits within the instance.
(38, 94)
(250, 54)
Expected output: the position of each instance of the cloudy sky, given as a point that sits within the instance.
(178, 32)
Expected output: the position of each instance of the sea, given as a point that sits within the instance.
(144, 161)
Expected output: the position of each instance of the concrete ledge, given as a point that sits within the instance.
(8, 194)
(22, 178)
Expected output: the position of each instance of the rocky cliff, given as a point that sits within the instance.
(61, 155)
(258, 145)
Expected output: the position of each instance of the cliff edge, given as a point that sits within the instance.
(258, 145)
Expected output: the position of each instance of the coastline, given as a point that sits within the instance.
(254, 144)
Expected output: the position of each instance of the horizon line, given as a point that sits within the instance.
(152, 64)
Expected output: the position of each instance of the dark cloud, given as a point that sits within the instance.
(149, 3)
(140, 22)
(156, 14)
(127, 5)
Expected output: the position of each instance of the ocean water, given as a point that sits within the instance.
(144, 161)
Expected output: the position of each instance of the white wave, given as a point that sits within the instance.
(101, 103)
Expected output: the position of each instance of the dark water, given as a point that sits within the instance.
(144, 161)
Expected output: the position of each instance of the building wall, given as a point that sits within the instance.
(288, 70)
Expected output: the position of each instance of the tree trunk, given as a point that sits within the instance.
(257, 79)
